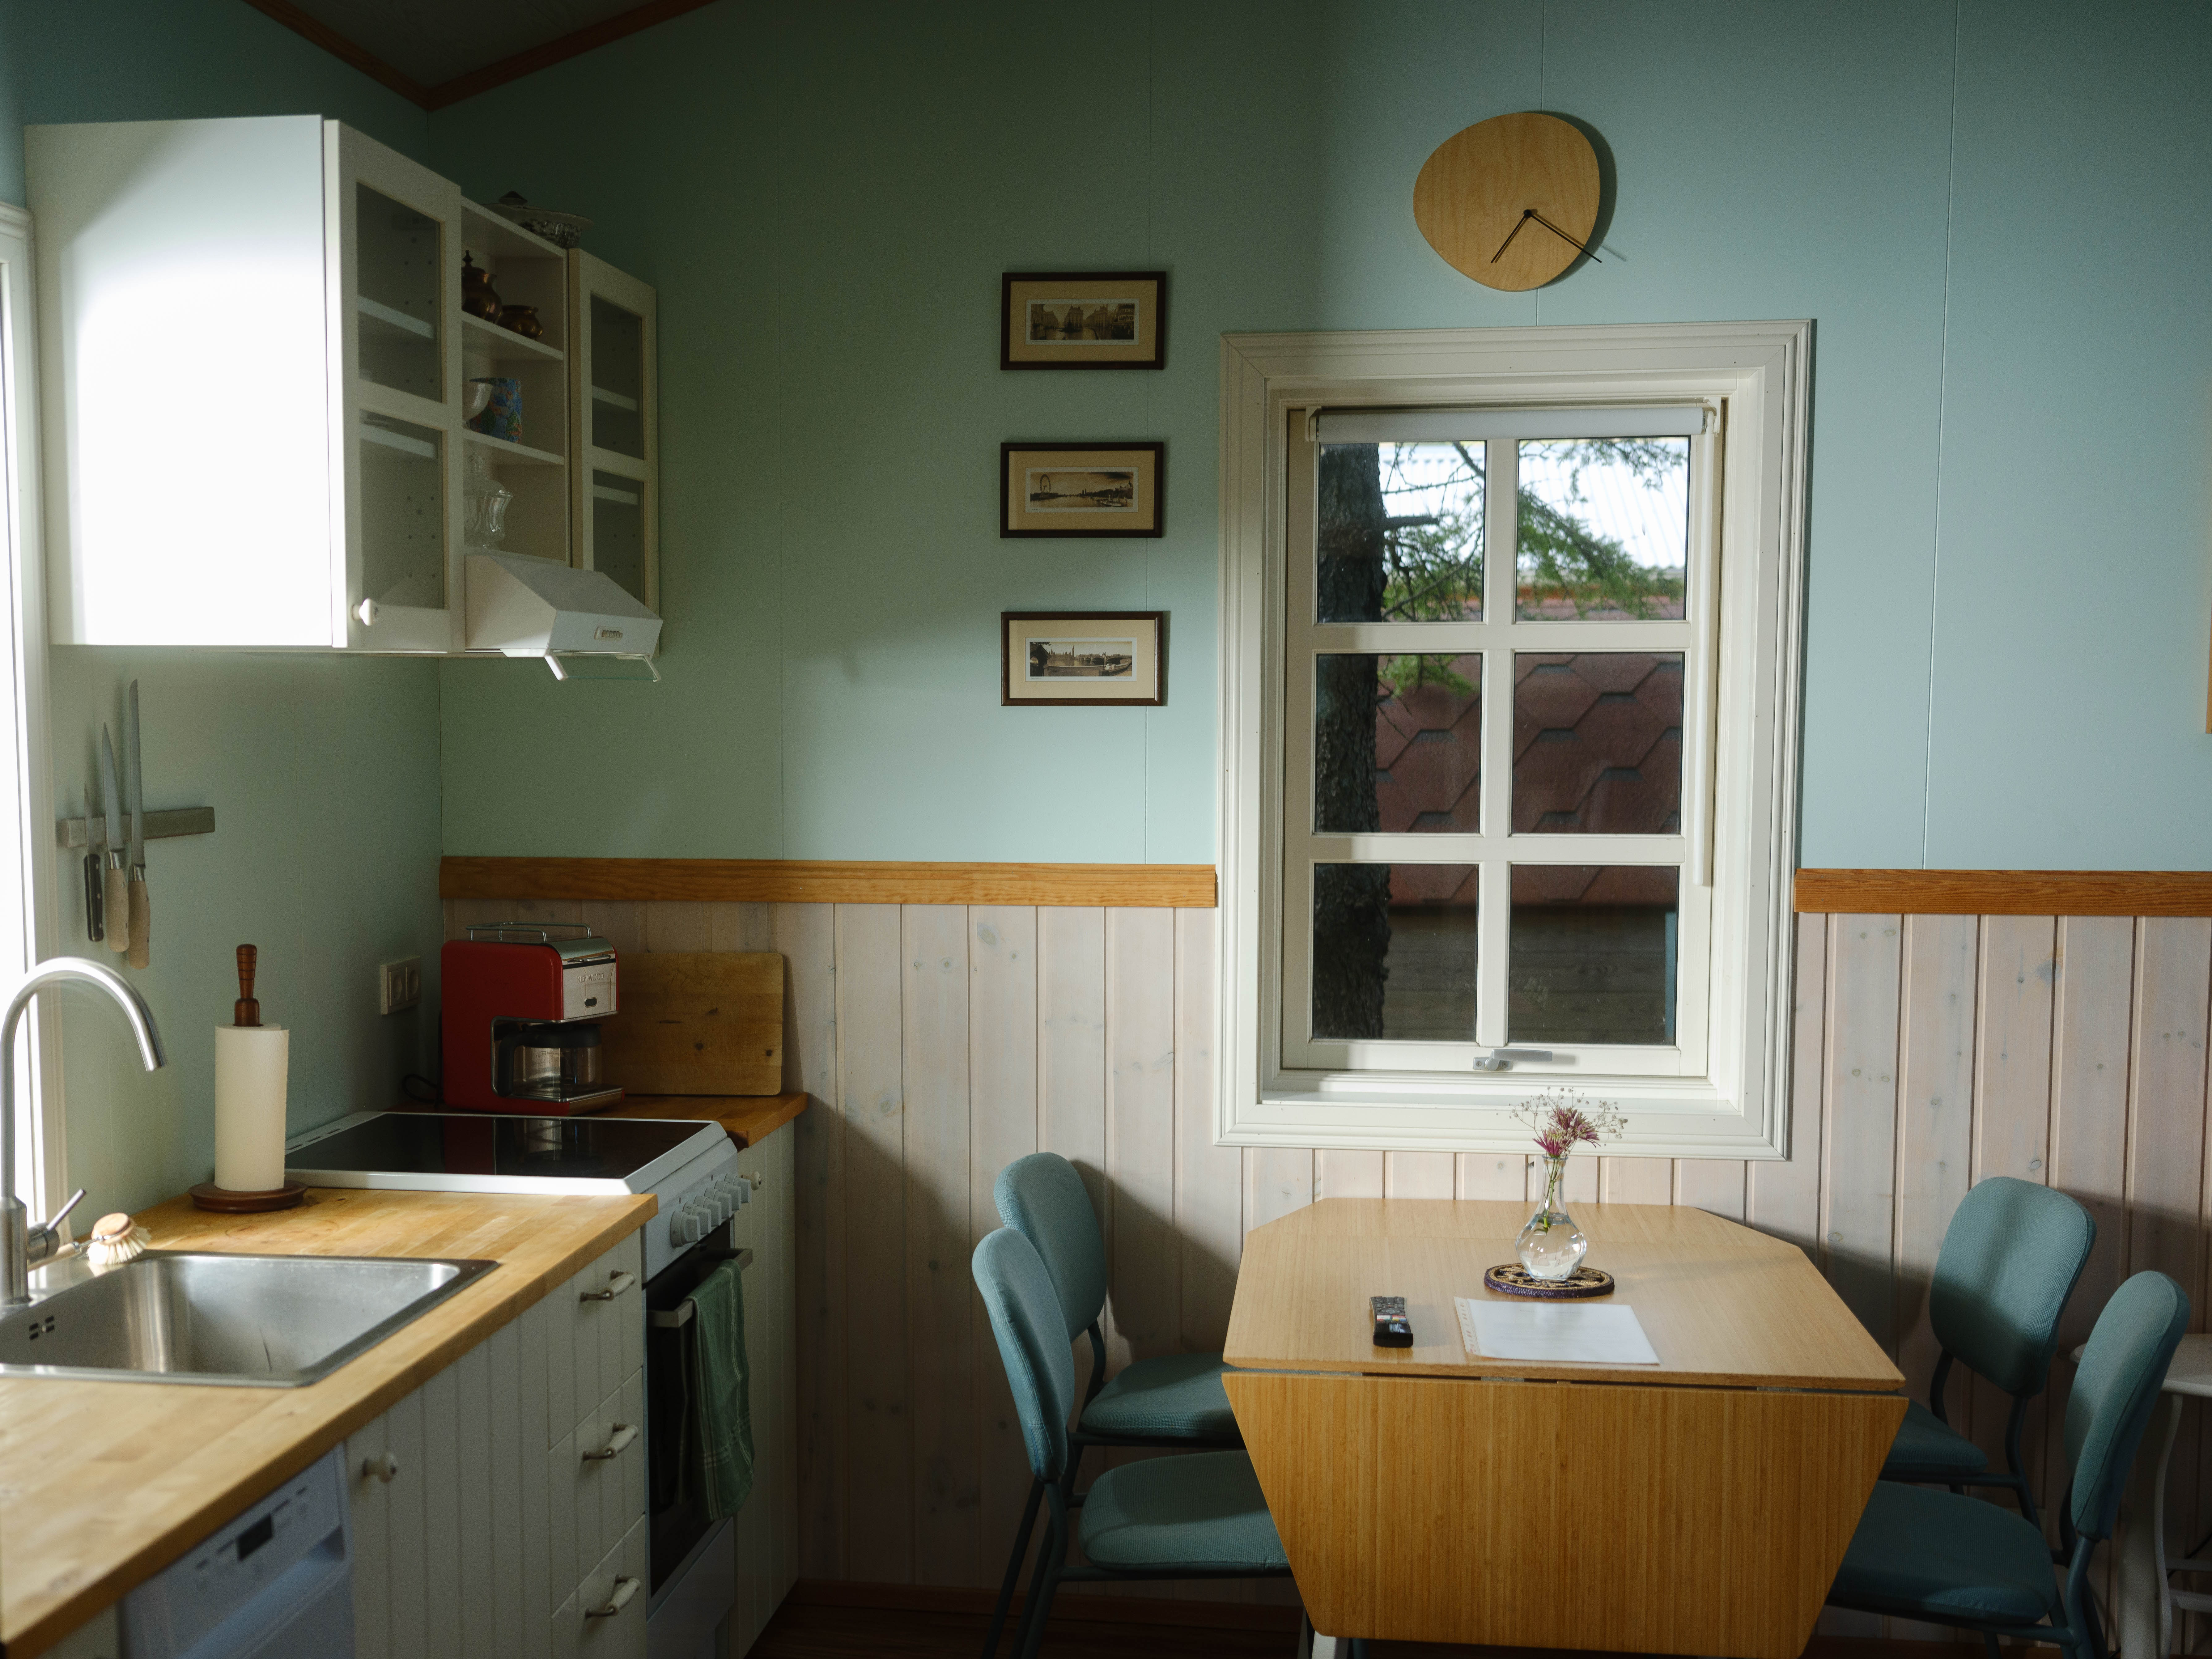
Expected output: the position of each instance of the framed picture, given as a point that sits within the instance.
(1069, 659)
(1083, 319)
(1081, 489)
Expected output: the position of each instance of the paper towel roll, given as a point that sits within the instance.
(250, 1066)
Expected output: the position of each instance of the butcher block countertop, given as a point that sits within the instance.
(104, 1484)
(750, 1118)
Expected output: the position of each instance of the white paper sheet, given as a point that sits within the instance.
(1574, 1333)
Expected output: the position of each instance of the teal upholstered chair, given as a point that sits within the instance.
(1200, 1517)
(1173, 1400)
(1950, 1559)
(2010, 1260)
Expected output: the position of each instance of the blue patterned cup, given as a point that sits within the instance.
(501, 416)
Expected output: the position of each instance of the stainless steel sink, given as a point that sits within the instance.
(193, 1317)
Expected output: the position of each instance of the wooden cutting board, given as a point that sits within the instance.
(696, 1022)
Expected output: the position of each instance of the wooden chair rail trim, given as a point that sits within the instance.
(2006, 892)
(801, 881)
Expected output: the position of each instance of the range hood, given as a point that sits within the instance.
(519, 606)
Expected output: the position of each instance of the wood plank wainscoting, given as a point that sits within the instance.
(939, 1039)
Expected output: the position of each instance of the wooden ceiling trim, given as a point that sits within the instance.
(590, 37)
(343, 50)
(804, 881)
(2006, 892)
(527, 62)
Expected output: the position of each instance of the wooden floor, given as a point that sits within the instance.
(812, 1630)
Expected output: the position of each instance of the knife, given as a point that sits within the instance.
(116, 886)
(141, 910)
(94, 922)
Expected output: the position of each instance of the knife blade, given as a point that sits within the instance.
(116, 883)
(142, 909)
(95, 922)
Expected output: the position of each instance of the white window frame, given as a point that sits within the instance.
(1756, 375)
(32, 929)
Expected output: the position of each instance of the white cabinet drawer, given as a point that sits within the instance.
(606, 1617)
(592, 1345)
(592, 1501)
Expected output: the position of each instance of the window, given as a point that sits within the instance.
(1510, 661)
(27, 903)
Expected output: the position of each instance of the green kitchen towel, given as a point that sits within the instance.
(720, 1455)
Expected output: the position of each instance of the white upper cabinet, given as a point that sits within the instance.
(251, 385)
(274, 420)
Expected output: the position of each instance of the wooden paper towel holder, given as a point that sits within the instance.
(209, 1196)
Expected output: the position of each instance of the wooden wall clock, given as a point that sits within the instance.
(1511, 201)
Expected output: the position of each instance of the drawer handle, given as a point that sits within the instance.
(616, 1445)
(382, 1468)
(625, 1587)
(615, 1286)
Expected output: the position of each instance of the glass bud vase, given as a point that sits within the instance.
(1551, 1246)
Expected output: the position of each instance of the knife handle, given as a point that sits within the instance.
(117, 905)
(141, 922)
(95, 926)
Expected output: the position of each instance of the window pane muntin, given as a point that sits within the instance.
(1397, 742)
(1602, 528)
(1399, 533)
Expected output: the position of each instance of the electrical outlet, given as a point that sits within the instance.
(398, 985)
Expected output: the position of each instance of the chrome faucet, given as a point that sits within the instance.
(22, 1244)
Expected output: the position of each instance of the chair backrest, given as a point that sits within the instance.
(1040, 1364)
(1041, 1198)
(2122, 1370)
(2009, 1260)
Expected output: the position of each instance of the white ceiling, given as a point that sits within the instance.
(431, 41)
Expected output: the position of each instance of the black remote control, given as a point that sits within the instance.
(1391, 1328)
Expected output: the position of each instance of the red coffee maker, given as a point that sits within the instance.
(523, 1003)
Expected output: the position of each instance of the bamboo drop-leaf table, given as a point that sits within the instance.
(1697, 1506)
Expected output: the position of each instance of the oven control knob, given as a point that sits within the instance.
(683, 1227)
(718, 1207)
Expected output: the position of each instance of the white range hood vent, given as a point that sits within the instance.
(524, 607)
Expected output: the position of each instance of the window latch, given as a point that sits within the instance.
(1501, 1060)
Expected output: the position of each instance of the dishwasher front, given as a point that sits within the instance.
(276, 1583)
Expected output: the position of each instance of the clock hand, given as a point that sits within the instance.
(1532, 214)
(1527, 214)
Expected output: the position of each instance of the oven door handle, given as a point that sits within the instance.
(680, 1315)
(619, 1442)
(616, 1285)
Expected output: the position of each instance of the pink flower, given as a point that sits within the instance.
(1560, 1123)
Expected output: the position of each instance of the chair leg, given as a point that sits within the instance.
(1013, 1568)
(1044, 1582)
(2013, 1422)
(1990, 1642)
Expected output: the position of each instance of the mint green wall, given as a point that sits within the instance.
(1991, 213)
(323, 773)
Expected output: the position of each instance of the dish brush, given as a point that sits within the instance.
(116, 1239)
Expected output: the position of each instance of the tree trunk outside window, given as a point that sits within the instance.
(1351, 902)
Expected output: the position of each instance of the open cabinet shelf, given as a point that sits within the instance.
(479, 337)
(522, 454)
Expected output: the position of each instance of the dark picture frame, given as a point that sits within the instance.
(1100, 293)
(1091, 504)
(1145, 631)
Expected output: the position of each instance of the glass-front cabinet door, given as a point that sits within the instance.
(613, 391)
(398, 273)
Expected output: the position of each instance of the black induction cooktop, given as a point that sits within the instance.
(484, 1153)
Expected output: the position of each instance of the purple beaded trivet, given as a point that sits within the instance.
(1511, 1279)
